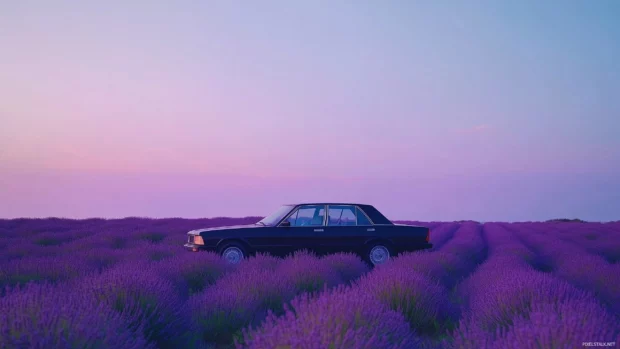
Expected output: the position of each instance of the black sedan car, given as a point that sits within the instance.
(319, 227)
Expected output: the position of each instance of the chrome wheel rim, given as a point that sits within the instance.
(233, 255)
(379, 255)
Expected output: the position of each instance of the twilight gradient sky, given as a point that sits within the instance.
(491, 110)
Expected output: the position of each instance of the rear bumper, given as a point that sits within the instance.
(197, 248)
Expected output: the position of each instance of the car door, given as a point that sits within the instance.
(305, 223)
(343, 233)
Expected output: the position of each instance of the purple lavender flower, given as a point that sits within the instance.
(458, 257)
(192, 272)
(348, 265)
(560, 325)
(339, 318)
(218, 313)
(442, 233)
(239, 299)
(43, 316)
(515, 294)
(263, 261)
(307, 273)
(145, 298)
(424, 303)
(39, 269)
(100, 259)
(577, 266)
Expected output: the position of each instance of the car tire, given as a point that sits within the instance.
(233, 253)
(378, 253)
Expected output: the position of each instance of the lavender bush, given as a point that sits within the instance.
(42, 316)
(513, 295)
(100, 259)
(583, 269)
(145, 298)
(560, 321)
(459, 256)
(348, 265)
(453, 261)
(41, 269)
(424, 303)
(307, 273)
(19, 248)
(341, 318)
(191, 273)
(240, 298)
(506, 295)
(440, 234)
(560, 325)
(594, 238)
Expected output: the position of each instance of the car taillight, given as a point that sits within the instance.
(428, 235)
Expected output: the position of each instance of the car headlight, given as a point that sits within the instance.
(198, 240)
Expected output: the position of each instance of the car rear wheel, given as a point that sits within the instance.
(379, 254)
(233, 253)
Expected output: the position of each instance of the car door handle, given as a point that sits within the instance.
(318, 229)
(370, 229)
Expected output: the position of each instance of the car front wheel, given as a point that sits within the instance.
(233, 253)
(379, 254)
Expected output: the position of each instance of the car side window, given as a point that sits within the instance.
(307, 216)
(292, 218)
(361, 218)
(341, 216)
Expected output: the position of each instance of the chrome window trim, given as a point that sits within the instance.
(296, 209)
(362, 211)
(326, 217)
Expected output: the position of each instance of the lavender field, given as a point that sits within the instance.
(128, 283)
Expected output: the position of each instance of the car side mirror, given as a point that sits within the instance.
(285, 224)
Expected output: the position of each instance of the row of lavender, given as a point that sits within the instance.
(185, 302)
(596, 238)
(571, 259)
(508, 303)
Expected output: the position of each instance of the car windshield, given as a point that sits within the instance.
(275, 217)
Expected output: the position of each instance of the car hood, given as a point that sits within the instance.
(198, 231)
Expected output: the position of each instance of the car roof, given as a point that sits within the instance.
(327, 203)
(374, 214)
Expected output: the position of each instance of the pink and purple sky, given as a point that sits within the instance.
(430, 111)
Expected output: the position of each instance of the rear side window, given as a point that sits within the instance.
(361, 218)
(341, 215)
